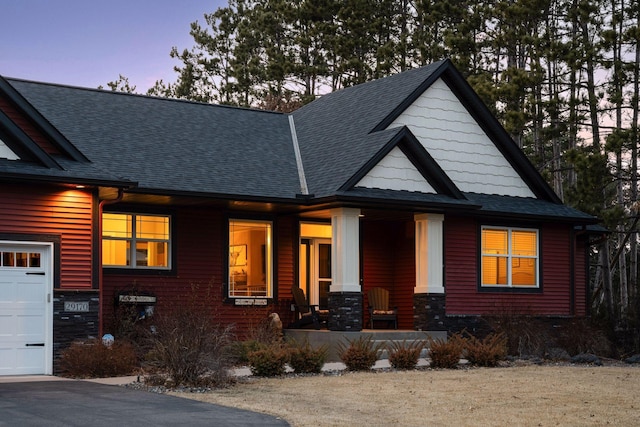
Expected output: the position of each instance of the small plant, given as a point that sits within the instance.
(445, 353)
(360, 354)
(268, 362)
(238, 351)
(488, 351)
(403, 355)
(305, 359)
(93, 359)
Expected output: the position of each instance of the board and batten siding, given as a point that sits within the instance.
(457, 142)
(461, 274)
(396, 172)
(29, 210)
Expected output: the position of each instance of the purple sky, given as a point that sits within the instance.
(90, 42)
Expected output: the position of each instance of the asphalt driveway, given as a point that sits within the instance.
(84, 403)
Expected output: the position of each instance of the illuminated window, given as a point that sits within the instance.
(250, 259)
(135, 241)
(509, 257)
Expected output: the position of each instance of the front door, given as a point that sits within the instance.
(25, 309)
(315, 270)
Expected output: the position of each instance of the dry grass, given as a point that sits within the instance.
(515, 396)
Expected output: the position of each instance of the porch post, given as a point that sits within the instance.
(345, 295)
(429, 293)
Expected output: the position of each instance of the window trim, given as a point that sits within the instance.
(271, 267)
(134, 269)
(510, 287)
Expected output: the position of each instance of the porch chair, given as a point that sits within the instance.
(379, 307)
(309, 314)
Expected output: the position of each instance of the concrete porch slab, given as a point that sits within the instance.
(333, 339)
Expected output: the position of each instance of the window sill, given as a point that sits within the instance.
(510, 289)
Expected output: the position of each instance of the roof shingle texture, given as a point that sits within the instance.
(334, 131)
(173, 145)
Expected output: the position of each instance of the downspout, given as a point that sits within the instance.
(102, 204)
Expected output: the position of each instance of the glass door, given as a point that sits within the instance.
(315, 270)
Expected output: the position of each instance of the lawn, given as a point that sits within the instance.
(530, 395)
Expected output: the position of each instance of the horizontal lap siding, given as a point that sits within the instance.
(201, 257)
(63, 213)
(462, 295)
(581, 276)
(460, 245)
(388, 262)
(27, 127)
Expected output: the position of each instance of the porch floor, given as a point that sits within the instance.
(332, 339)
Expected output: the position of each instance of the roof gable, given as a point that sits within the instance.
(6, 152)
(403, 164)
(459, 145)
(395, 172)
(26, 123)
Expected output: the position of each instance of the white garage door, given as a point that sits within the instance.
(25, 309)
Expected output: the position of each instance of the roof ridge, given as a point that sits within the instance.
(140, 95)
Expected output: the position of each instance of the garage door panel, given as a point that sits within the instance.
(24, 311)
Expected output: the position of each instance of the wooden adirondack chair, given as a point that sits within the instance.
(309, 314)
(379, 307)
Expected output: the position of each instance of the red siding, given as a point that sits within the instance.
(581, 277)
(389, 262)
(201, 259)
(64, 213)
(27, 127)
(462, 296)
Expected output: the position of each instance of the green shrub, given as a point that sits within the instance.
(488, 351)
(445, 353)
(238, 351)
(305, 359)
(403, 355)
(268, 362)
(360, 354)
(93, 359)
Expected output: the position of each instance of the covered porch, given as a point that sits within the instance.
(362, 249)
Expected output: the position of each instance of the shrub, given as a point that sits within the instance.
(445, 353)
(360, 354)
(403, 355)
(268, 362)
(238, 351)
(305, 359)
(488, 351)
(582, 336)
(93, 359)
(188, 345)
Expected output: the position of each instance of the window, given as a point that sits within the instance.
(250, 259)
(135, 241)
(509, 257)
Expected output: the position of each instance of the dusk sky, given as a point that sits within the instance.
(90, 42)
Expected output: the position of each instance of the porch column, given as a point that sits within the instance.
(345, 294)
(429, 293)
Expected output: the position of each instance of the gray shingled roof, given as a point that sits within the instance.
(171, 145)
(334, 131)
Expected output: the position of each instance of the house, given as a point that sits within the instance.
(406, 183)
